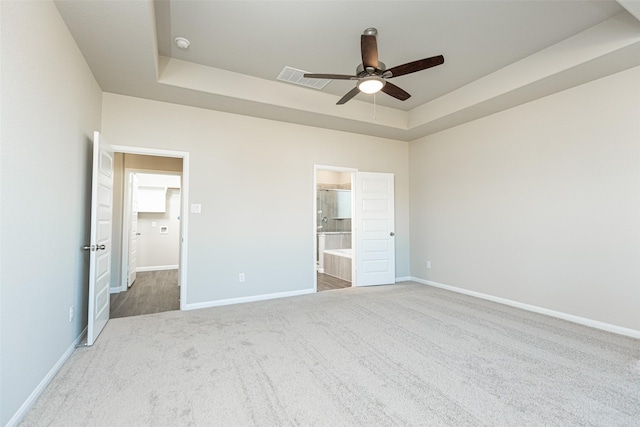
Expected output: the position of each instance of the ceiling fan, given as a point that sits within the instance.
(372, 74)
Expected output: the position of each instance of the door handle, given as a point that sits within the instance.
(392, 234)
(137, 234)
(94, 248)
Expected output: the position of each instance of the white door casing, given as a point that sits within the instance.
(374, 218)
(184, 217)
(132, 265)
(100, 245)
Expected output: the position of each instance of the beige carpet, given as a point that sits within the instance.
(396, 355)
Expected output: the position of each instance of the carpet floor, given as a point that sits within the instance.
(405, 354)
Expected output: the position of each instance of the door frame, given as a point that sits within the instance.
(126, 217)
(352, 171)
(184, 211)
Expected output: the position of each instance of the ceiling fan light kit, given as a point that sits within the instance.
(371, 84)
(372, 74)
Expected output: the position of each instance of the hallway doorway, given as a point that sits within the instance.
(149, 231)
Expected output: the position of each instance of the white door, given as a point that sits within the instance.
(374, 216)
(100, 246)
(133, 231)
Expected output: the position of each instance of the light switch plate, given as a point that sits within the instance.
(196, 208)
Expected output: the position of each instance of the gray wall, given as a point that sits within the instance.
(50, 108)
(153, 163)
(538, 204)
(118, 217)
(254, 180)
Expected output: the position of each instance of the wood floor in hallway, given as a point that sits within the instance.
(327, 283)
(152, 292)
(158, 291)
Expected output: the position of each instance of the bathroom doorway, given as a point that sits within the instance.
(333, 219)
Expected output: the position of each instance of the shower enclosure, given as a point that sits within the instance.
(334, 210)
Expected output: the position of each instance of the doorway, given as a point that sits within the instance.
(333, 234)
(371, 238)
(151, 231)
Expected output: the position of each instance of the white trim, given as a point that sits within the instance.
(149, 151)
(230, 301)
(184, 221)
(157, 268)
(125, 223)
(184, 214)
(404, 279)
(24, 408)
(533, 308)
(334, 168)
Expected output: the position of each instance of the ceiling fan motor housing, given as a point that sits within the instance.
(361, 72)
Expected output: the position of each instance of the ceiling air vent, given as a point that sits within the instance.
(295, 76)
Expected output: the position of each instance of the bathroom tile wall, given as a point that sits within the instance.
(337, 266)
(337, 241)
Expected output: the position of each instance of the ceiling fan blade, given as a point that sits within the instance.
(369, 48)
(330, 76)
(395, 91)
(353, 92)
(414, 66)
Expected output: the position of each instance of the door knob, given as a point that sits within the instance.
(392, 234)
(94, 248)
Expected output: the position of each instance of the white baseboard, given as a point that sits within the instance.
(241, 300)
(404, 279)
(558, 314)
(157, 268)
(24, 408)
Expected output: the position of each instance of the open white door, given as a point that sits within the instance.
(132, 265)
(374, 216)
(100, 246)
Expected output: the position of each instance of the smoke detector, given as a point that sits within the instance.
(182, 43)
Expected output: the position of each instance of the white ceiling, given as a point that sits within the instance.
(497, 54)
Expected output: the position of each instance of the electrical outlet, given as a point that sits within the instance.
(241, 277)
(428, 264)
(70, 313)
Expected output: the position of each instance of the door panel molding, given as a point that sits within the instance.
(101, 232)
(375, 221)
